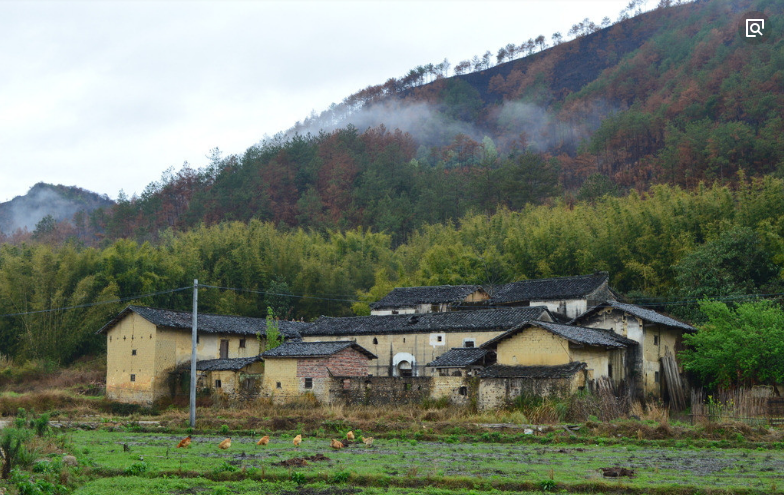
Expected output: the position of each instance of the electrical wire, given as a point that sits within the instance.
(277, 293)
(99, 303)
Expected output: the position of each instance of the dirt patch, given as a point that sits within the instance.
(301, 461)
(617, 472)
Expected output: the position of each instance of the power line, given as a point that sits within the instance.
(236, 289)
(99, 303)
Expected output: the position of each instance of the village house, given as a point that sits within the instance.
(147, 348)
(453, 371)
(296, 368)
(546, 358)
(566, 297)
(405, 343)
(659, 337)
(430, 299)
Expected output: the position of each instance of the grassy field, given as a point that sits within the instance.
(148, 462)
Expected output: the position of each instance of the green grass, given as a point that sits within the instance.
(411, 463)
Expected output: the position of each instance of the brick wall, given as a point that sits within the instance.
(348, 362)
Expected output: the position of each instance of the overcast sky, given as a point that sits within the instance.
(107, 95)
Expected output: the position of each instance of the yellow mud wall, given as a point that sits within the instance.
(132, 333)
(284, 372)
(657, 340)
(533, 346)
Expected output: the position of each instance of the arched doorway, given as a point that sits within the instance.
(404, 364)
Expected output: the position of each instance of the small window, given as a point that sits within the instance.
(609, 370)
(133, 377)
(404, 340)
(242, 343)
(462, 391)
(375, 341)
(440, 338)
(656, 377)
(217, 384)
(469, 343)
(655, 340)
(308, 382)
(133, 352)
(277, 385)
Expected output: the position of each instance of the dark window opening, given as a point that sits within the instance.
(133, 352)
(469, 343)
(217, 384)
(440, 338)
(277, 385)
(224, 349)
(655, 340)
(656, 377)
(197, 339)
(609, 370)
(242, 343)
(308, 382)
(133, 378)
(462, 391)
(404, 340)
(375, 340)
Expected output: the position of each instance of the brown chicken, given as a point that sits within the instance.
(263, 440)
(350, 435)
(184, 442)
(368, 441)
(297, 440)
(336, 445)
(225, 444)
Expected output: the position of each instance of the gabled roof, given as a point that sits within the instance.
(549, 288)
(644, 314)
(452, 321)
(558, 371)
(313, 349)
(411, 296)
(460, 357)
(208, 323)
(578, 335)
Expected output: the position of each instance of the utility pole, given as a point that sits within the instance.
(193, 350)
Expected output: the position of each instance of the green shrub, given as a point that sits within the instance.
(224, 429)
(340, 477)
(136, 469)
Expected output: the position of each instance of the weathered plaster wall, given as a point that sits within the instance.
(533, 346)
(133, 332)
(381, 390)
(495, 393)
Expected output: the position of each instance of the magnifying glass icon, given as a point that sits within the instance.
(754, 27)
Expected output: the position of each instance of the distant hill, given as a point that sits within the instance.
(61, 202)
(674, 95)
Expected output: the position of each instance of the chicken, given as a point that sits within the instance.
(297, 440)
(350, 435)
(184, 442)
(225, 444)
(368, 441)
(263, 440)
(336, 445)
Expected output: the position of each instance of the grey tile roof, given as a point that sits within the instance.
(313, 349)
(233, 364)
(558, 371)
(460, 357)
(549, 288)
(578, 335)
(452, 321)
(437, 294)
(208, 323)
(644, 314)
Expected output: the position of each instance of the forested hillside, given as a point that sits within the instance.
(672, 96)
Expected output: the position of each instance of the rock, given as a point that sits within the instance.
(70, 460)
(528, 431)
